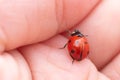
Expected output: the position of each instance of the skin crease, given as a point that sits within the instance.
(24, 22)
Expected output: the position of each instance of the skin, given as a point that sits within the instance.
(24, 23)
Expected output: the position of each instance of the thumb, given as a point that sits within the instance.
(25, 22)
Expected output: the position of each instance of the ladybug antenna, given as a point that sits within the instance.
(68, 31)
(76, 30)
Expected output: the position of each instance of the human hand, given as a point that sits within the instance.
(26, 22)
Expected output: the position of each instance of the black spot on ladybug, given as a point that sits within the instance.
(86, 42)
(88, 52)
(72, 51)
(69, 41)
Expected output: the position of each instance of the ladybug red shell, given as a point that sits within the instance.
(78, 46)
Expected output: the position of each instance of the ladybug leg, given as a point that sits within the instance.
(64, 46)
(72, 61)
(72, 52)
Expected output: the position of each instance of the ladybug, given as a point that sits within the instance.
(77, 45)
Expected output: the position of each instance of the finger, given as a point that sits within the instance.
(55, 64)
(112, 70)
(102, 28)
(28, 21)
(14, 67)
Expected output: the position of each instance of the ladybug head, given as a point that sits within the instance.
(77, 33)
